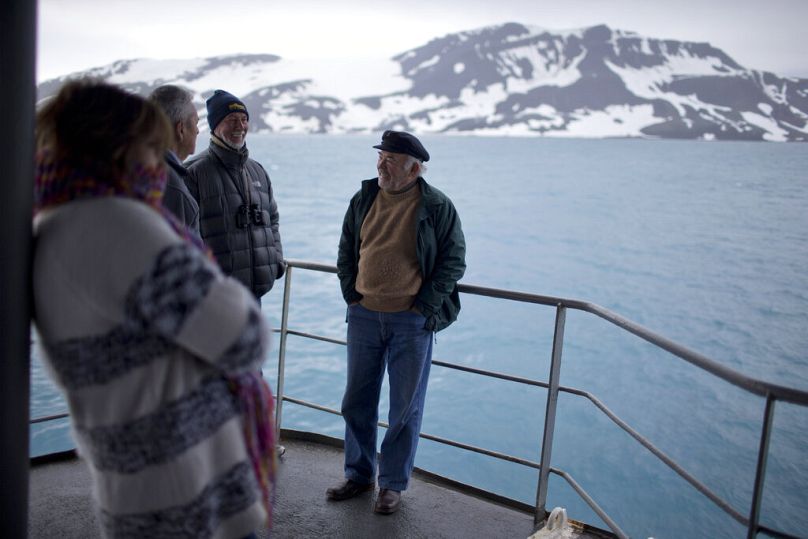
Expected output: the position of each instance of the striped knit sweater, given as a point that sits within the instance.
(138, 328)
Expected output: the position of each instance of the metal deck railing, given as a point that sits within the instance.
(772, 393)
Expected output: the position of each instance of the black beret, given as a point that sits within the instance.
(401, 142)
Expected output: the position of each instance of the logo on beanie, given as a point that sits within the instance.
(236, 106)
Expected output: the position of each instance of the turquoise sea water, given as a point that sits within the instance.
(705, 243)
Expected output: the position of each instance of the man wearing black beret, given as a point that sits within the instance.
(401, 254)
(238, 215)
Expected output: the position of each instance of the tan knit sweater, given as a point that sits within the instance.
(389, 276)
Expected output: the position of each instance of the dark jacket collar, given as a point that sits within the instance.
(173, 161)
(230, 157)
(429, 197)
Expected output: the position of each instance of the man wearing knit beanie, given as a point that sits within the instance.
(238, 215)
(221, 105)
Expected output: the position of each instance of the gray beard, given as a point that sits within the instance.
(234, 146)
(229, 144)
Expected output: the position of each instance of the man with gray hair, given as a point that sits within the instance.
(178, 105)
(401, 254)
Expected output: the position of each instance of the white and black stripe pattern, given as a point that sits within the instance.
(158, 437)
(249, 346)
(144, 365)
(157, 306)
(163, 298)
(99, 359)
(229, 495)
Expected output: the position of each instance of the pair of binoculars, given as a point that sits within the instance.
(249, 214)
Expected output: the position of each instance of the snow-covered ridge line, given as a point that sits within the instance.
(508, 79)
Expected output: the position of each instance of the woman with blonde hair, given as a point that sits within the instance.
(156, 351)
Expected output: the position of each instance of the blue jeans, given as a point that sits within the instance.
(399, 342)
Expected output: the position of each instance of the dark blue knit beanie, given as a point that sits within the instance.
(222, 103)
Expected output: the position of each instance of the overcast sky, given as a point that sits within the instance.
(78, 34)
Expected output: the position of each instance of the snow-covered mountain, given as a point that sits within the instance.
(499, 80)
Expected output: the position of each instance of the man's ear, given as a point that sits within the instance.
(179, 131)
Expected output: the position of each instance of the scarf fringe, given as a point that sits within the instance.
(258, 408)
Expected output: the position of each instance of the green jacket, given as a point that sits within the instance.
(441, 252)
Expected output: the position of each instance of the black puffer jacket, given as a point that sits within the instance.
(248, 247)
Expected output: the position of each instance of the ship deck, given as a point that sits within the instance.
(433, 507)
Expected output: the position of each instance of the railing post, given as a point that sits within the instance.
(550, 415)
(287, 288)
(760, 475)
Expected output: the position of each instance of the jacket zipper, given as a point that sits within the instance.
(248, 229)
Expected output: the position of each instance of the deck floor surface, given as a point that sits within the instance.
(60, 505)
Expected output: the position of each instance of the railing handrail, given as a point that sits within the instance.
(698, 485)
(771, 393)
(756, 386)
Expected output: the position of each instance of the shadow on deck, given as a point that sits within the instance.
(433, 507)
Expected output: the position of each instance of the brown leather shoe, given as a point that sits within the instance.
(347, 490)
(387, 502)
